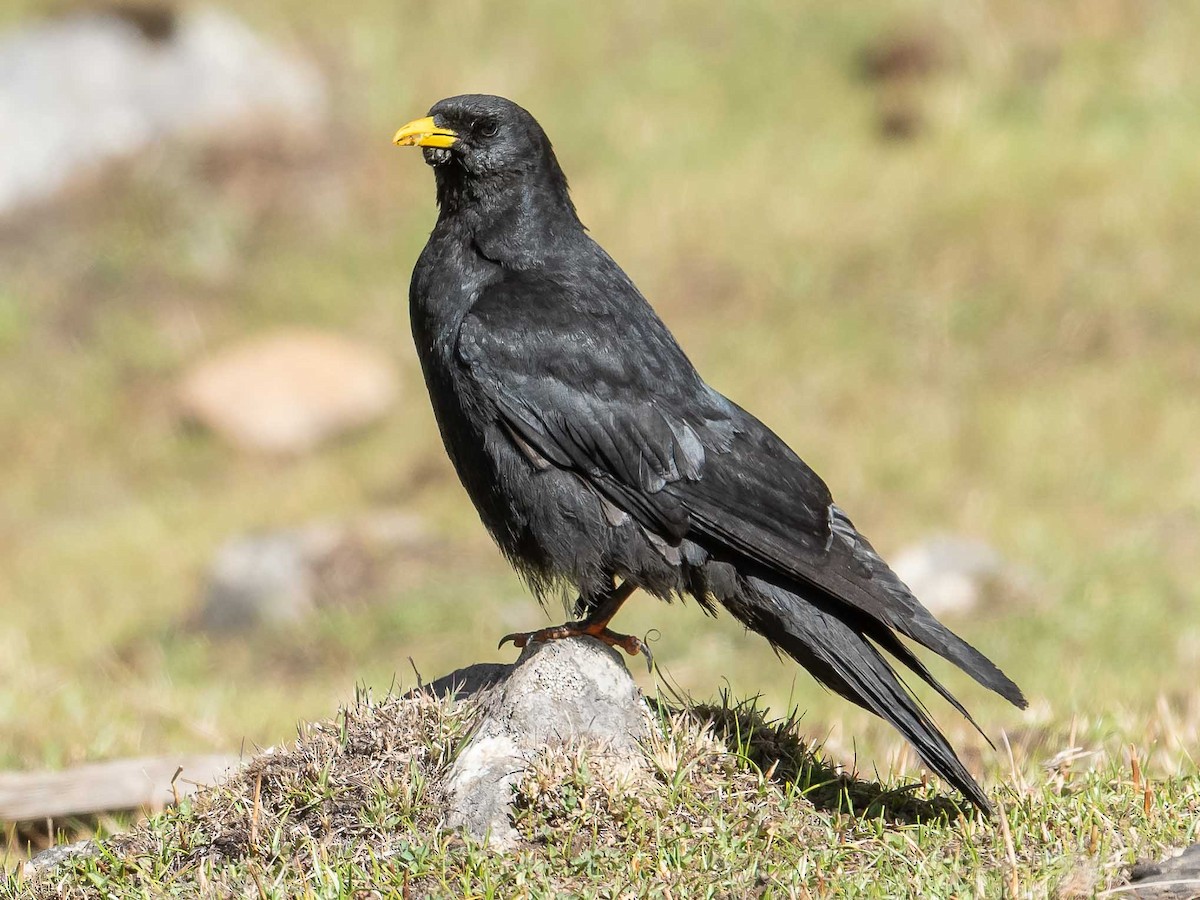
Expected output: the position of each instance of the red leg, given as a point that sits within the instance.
(595, 625)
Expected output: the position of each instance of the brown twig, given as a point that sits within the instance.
(256, 812)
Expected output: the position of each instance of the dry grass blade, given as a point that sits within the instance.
(1010, 854)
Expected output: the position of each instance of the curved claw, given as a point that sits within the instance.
(645, 649)
(631, 644)
(519, 640)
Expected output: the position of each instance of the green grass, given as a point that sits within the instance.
(723, 804)
(988, 329)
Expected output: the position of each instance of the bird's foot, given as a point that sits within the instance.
(629, 643)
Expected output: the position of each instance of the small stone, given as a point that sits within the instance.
(55, 856)
(558, 693)
(287, 392)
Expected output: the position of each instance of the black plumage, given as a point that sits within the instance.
(598, 458)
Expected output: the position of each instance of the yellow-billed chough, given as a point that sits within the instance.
(598, 457)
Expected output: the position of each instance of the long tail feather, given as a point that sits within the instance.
(905, 613)
(844, 660)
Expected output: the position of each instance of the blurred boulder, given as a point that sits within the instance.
(279, 577)
(955, 575)
(258, 579)
(90, 87)
(287, 392)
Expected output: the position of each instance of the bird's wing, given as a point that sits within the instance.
(608, 396)
(607, 393)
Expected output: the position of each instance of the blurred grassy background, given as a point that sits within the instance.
(968, 297)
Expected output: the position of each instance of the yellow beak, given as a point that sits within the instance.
(424, 133)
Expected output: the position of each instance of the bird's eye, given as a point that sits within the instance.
(489, 129)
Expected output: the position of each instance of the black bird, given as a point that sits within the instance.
(598, 458)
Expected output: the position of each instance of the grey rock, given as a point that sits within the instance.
(1175, 878)
(88, 88)
(954, 575)
(558, 693)
(55, 856)
(279, 577)
(287, 392)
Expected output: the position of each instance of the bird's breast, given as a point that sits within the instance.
(447, 280)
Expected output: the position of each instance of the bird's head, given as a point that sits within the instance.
(483, 147)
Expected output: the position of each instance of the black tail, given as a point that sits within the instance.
(842, 658)
(902, 611)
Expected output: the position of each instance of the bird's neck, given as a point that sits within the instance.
(519, 223)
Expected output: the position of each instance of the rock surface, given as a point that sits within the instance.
(87, 88)
(562, 692)
(1172, 879)
(287, 392)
